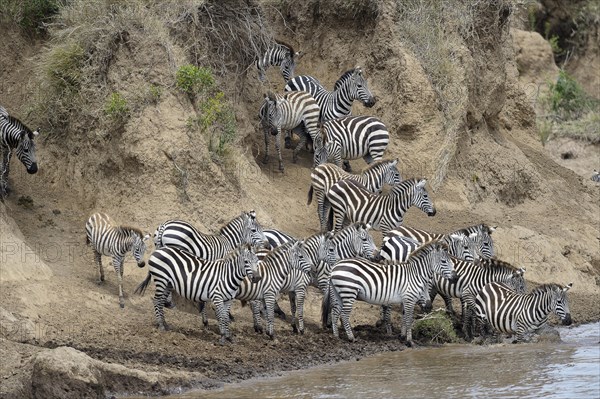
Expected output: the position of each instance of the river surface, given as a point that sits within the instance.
(569, 370)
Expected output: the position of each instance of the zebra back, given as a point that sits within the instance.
(110, 239)
(276, 238)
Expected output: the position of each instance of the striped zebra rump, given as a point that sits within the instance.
(276, 238)
(196, 279)
(512, 313)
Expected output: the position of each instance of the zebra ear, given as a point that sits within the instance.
(491, 229)
(421, 183)
(146, 237)
(36, 131)
(395, 162)
(568, 287)
(368, 226)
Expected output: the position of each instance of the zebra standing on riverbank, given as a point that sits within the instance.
(372, 178)
(278, 266)
(359, 279)
(243, 229)
(106, 238)
(512, 313)
(196, 279)
(281, 55)
(353, 137)
(14, 135)
(351, 86)
(290, 111)
(350, 200)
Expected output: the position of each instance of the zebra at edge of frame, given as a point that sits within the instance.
(15, 135)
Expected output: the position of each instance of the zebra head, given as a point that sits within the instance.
(359, 89)
(268, 112)
(138, 249)
(250, 259)
(253, 231)
(299, 257)
(392, 175)
(25, 151)
(559, 301)
(484, 245)
(435, 256)
(517, 282)
(420, 198)
(461, 246)
(321, 155)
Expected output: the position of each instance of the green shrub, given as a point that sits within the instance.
(116, 106)
(193, 80)
(30, 15)
(566, 98)
(63, 66)
(154, 93)
(436, 328)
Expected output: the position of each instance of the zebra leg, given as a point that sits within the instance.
(448, 303)
(267, 134)
(159, 302)
(292, 296)
(118, 265)
(301, 143)
(280, 313)
(98, 258)
(6, 153)
(345, 316)
(387, 318)
(223, 318)
(368, 159)
(288, 139)
(257, 320)
(269, 299)
(407, 320)
(278, 148)
(202, 311)
(300, 296)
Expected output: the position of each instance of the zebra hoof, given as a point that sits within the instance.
(409, 344)
(294, 329)
(122, 305)
(258, 330)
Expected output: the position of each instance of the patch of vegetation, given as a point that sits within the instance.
(567, 99)
(31, 15)
(194, 80)
(116, 107)
(154, 93)
(435, 328)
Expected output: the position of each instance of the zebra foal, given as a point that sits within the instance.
(351, 201)
(107, 238)
(196, 279)
(359, 279)
(290, 111)
(513, 313)
(372, 178)
(15, 136)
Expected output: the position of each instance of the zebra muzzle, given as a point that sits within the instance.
(256, 279)
(32, 169)
(141, 264)
(431, 213)
(567, 320)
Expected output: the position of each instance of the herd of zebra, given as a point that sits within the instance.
(243, 261)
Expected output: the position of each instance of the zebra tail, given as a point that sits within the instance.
(310, 195)
(326, 305)
(142, 287)
(244, 303)
(330, 219)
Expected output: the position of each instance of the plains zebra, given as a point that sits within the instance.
(404, 283)
(596, 176)
(243, 229)
(290, 111)
(106, 238)
(286, 263)
(281, 55)
(173, 268)
(512, 313)
(276, 238)
(14, 135)
(350, 200)
(351, 86)
(353, 137)
(398, 243)
(373, 178)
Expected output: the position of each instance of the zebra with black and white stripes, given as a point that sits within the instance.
(353, 137)
(372, 178)
(596, 176)
(15, 136)
(351, 201)
(174, 268)
(107, 238)
(243, 229)
(295, 110)
(351, 86)
(276, 237)
(469, 243)
(287, 263)
(280, 54)
(360, 279)
(512, 313)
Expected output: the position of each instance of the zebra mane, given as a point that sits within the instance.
(424, 250)
(497, 265)
(272, 96)
(284, 44)
(345, 76)
(376, 164)
(16, 122)
(544, 288)
(404, 184)
(128, 229)
(282, 248)
(235, 219)
(234, 253)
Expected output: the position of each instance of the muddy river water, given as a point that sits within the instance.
(570, 369)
